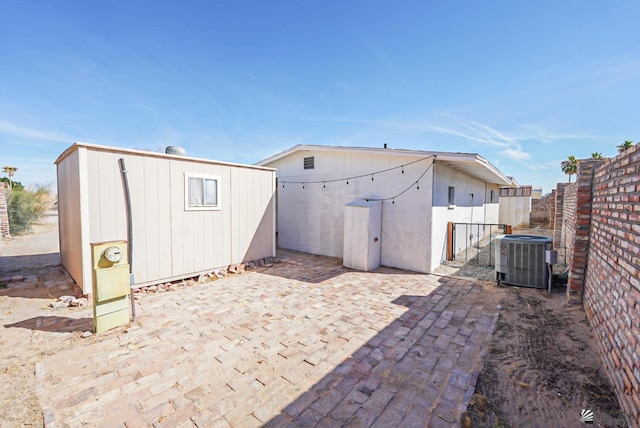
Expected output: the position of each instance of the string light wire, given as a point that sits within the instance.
(391, 198)
(370, 174)
(415, 183)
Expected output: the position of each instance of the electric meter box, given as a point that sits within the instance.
(111, 285)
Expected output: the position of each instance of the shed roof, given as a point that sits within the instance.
(470, 163)
(97, 147)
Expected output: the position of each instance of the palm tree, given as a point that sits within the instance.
(570, 166)
(597, 155)
(9, 170)
(625, 146)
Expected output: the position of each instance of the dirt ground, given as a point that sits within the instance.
(35, 258)
(541, 369)
(542, 366)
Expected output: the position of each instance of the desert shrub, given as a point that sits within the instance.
(14, 184)
(26, 206)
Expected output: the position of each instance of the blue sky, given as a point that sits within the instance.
(522, 83)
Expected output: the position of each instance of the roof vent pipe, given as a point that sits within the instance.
(175, 150)
(385, 145)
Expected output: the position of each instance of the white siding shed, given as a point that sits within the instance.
(174, 236)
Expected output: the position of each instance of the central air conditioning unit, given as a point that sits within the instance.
(521, 260)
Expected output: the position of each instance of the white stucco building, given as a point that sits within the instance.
(420, 191)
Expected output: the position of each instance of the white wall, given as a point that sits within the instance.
(413, 232)
(362, 232)
(466, 210)
(312, 219)
(168, 242)
(515, 210)
(70, 223)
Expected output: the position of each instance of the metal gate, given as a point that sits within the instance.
(473, 243)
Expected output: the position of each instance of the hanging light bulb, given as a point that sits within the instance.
(371, 177)
(393, 201)
(303, 185)
(324, 185)
(283, 185)
(347, 182)
(418, 185)
(403, 169)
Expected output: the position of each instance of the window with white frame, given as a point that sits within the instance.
(201, 192)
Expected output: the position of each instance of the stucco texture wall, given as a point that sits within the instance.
(466, 208)
(414, 225)
(311, 211)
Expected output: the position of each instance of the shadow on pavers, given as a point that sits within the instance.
(416, 371)
(41, 283)
(316, 268)
(15, 264)
(55, 324)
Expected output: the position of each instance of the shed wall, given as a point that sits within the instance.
(69, 218)
(170, 242)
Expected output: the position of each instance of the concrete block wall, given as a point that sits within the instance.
(4, 213)
(612, 281)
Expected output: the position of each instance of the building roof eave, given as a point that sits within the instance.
(468, 163)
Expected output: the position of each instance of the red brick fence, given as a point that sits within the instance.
(4, 214)
(597, 219)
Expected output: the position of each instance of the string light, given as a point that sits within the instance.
(393, 198)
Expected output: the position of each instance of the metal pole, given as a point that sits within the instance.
(127, 196)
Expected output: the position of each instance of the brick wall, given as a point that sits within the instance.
(558, 226)
(4, 215)
(612, 284)
(552, 208)
(598, 217)
(568, 222)
(541, 210)
(578, 244)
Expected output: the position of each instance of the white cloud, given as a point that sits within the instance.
(537, 133)
(480, 133)
(622, 68)
(516, 154)
(31, 133)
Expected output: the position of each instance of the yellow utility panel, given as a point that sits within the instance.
(111, 285)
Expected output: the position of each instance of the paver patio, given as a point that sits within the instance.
(305, 342)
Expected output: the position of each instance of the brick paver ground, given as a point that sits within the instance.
(305, 342)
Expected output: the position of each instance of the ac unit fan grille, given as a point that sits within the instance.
(526, 264)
